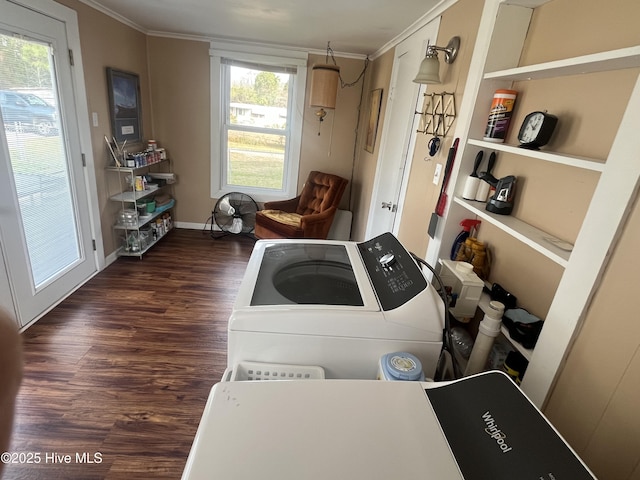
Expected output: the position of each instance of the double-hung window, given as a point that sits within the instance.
(256, 104)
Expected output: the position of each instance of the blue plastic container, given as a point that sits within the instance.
(400, 366)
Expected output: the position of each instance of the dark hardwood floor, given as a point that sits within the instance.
(121, 370)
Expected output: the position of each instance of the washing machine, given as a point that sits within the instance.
(477, 428)
(335, 304)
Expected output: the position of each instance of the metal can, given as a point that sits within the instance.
(500, 115)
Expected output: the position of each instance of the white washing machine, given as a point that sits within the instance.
(339, 305)
(477, 428)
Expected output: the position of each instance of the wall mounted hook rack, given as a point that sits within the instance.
(438, 113)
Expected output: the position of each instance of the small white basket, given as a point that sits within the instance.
(275, 371)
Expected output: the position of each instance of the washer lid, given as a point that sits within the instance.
(306, 274)
(340, 258)
(307, 429)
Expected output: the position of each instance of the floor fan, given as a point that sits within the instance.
(234, 214)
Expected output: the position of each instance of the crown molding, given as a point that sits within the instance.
(435, 12)
(114, 15)
(417, 25)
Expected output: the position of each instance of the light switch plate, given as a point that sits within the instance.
(436, 176)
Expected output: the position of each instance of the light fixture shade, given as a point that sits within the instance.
(324, 86)
(429, 71)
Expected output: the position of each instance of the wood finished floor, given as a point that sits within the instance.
(124, 366)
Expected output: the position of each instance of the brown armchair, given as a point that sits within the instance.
(309, 215)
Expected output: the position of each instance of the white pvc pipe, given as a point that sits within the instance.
(488, 330)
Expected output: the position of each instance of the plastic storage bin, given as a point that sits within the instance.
(274, 371)
(128, 217)
(148, 205)
(466, 288)
(146, 238)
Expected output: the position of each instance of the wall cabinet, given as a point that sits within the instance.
(142, 221)
(495, 65)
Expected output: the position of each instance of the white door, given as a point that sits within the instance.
(45, 228)
(398, 135)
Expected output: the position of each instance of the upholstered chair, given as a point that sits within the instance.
(309, 215)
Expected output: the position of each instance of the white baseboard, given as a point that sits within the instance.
(340, 228)
(195, 226)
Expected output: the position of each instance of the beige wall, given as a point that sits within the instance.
(594, 403)
(108, 43)
(174, 76)
(461, 19)
(180, 92)
(379, 76)
(332, 151)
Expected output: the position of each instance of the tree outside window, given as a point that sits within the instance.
(256, 127)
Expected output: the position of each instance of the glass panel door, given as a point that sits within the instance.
(45, 225)
(38, 157)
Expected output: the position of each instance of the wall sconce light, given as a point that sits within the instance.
(429, 71)
(324, 88)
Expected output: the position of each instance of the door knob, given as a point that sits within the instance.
(389, 205)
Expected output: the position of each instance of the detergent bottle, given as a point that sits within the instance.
(468, 224)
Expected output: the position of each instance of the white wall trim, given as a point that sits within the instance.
(209, 39)
(258, 52)
(417, 25)
(205, 227)
(114, 15)
(431, 15)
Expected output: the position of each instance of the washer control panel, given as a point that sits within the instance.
(395, 276)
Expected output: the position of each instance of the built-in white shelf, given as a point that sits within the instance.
(535, 238)
(502, 36)
(559, 158)
(597, 62)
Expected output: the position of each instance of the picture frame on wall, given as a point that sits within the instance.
(124, 105)
(375, 101)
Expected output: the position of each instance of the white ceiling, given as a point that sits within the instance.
(352, 26)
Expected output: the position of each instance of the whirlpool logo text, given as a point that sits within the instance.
(494, 432)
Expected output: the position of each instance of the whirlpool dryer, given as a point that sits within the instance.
(338, 305)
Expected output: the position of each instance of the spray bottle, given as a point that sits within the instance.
(468, 225)
(488, 330)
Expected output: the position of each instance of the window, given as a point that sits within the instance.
(256, 105)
